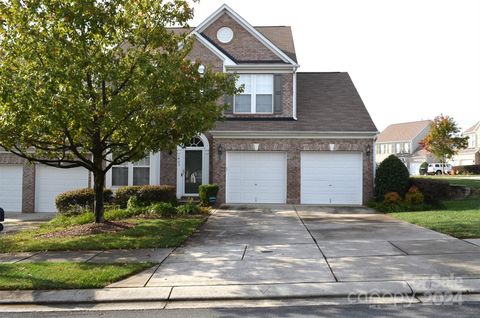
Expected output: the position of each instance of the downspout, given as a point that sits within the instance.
(295, 93)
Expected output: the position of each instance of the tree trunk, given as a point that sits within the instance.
(99, 183)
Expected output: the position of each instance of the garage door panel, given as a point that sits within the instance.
(11, 183)
(331, 178)
(256, 177)
(50, 182)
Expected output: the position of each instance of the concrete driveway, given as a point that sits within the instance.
(297, 244)
(16, 222)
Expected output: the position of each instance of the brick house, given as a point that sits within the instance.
(290, 137)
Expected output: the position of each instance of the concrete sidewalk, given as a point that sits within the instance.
(156, 255)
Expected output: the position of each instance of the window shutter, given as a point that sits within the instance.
(277, 94)
(229, 101)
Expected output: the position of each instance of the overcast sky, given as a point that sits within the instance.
(409, 59)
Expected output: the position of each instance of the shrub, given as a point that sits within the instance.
(414, 196)
(433, 190)
(392, 176)
(79, 201)
(163, 209)
(205, 191)
(423, 168)
(471, 169)
(392, 197)
(188, 208)
(399, 207)
(146, 195)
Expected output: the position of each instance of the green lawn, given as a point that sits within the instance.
(148, 233)
(466, 181)
(460, 219)
(64, 275)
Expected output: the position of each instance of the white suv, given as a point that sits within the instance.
(439, 168)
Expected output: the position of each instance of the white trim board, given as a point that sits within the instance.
(292, 134)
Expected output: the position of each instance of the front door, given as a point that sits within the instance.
(193, 171)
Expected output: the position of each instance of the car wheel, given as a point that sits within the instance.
(439, 172)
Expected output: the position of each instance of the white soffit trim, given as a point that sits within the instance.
(226, 60)
(294, 134)
(225, 8)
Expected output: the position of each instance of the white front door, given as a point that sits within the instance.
(192, 166)
(11, 181)
(50, 182)
(331, 178)
(256, 177)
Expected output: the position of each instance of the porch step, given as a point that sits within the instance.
(186, 199)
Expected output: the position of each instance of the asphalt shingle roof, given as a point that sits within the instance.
(326, 102)
(403, 131)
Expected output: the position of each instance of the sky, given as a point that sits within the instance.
(409, 59)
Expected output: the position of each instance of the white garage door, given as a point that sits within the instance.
(50, 182)
(256, 177)
(331, 178)
(11, 180)
(415, 168)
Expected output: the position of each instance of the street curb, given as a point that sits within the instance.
(351, 290)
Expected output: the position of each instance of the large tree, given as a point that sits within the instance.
(443, 139)
(97, 83)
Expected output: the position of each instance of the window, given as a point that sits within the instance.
(136, 173)
(397, 148)
(382, 148)
(406, 147)
(472, 141)
(390, 148)
(257, 96)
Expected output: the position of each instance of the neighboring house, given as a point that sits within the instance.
(470, 155)
(290, 137)
(402, 140)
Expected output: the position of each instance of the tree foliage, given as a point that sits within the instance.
(443, 139)
(98, 83)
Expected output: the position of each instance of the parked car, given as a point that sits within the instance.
(439, 168)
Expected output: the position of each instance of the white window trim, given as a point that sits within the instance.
(154, 172)
(253, 97)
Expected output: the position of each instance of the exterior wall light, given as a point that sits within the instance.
(219, 150)
(201, 69)
(368, 150)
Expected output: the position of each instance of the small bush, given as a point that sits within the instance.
(188, 208)
(466, 170)
(433, 190)
(146, 195)
(399, 207)
(132, 202)
(392, 197)
(414, 198)
(392, 176)
(205, 191)
(163, 209)
(423, 168)
(79, 201)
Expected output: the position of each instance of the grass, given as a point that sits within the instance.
(148, 233)
(64, 275)
(466, 181)
(460, 219)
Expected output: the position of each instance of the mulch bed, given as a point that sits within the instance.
(90, 229)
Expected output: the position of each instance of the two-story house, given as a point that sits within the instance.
(402, 140)
(290, 137)
(470, 155)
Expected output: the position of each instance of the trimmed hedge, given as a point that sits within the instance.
(146, 195)
(80, 200)
(205, 191)
(471, 169)
(392, 176)
(433, 190)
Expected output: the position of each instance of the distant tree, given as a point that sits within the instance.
(443, 139)
(95, 84)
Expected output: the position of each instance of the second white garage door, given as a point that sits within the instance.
(256, 177)
(50, 182)
(331, 178)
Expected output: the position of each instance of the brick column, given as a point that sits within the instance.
(28, 188)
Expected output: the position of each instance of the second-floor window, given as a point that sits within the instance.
(257, 96)
(472, 141)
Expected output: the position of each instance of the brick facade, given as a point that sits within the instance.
(293, 148)
(244, 46)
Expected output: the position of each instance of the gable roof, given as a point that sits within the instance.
(403, 131)
(280, 36)
(472, 129)
(247, 26)
(326, 102)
